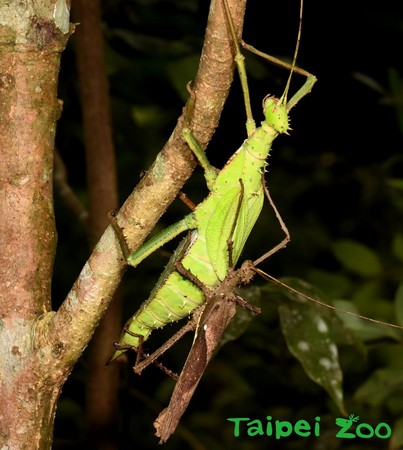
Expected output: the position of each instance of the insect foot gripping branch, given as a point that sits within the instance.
(227, 215)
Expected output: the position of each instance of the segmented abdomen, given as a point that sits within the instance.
(173, 298)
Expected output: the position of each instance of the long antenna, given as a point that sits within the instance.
(283, 98)
(318, 302)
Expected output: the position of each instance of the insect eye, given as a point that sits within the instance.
(275, 114)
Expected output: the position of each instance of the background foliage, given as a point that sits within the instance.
(337, 181)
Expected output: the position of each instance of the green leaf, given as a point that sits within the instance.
(364, 329)
(380, 385)
(333, 283)
(299, 291)
(357, 258)
(309, 338)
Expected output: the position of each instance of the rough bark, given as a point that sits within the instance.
(39, 346)
(30, 48)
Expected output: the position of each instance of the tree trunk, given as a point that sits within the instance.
(29, 64)
(39, 347)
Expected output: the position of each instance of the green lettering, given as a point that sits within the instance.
(362, 426)
(269, 428)
(237, 421)
(388, 430)
(280, 425)
(317, 426)
(345, 424)
(302, 428)
(255, 428)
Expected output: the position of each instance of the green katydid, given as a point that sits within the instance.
(221, 224)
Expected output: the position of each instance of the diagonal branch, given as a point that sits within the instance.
(72, 326)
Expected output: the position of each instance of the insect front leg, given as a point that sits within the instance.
(210, 172)
(310, 79)
(240, 63)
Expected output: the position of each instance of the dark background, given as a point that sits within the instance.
(337, 177)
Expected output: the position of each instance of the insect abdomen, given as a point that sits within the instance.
(173, 298)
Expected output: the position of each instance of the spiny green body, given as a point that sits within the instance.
(206, 255)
